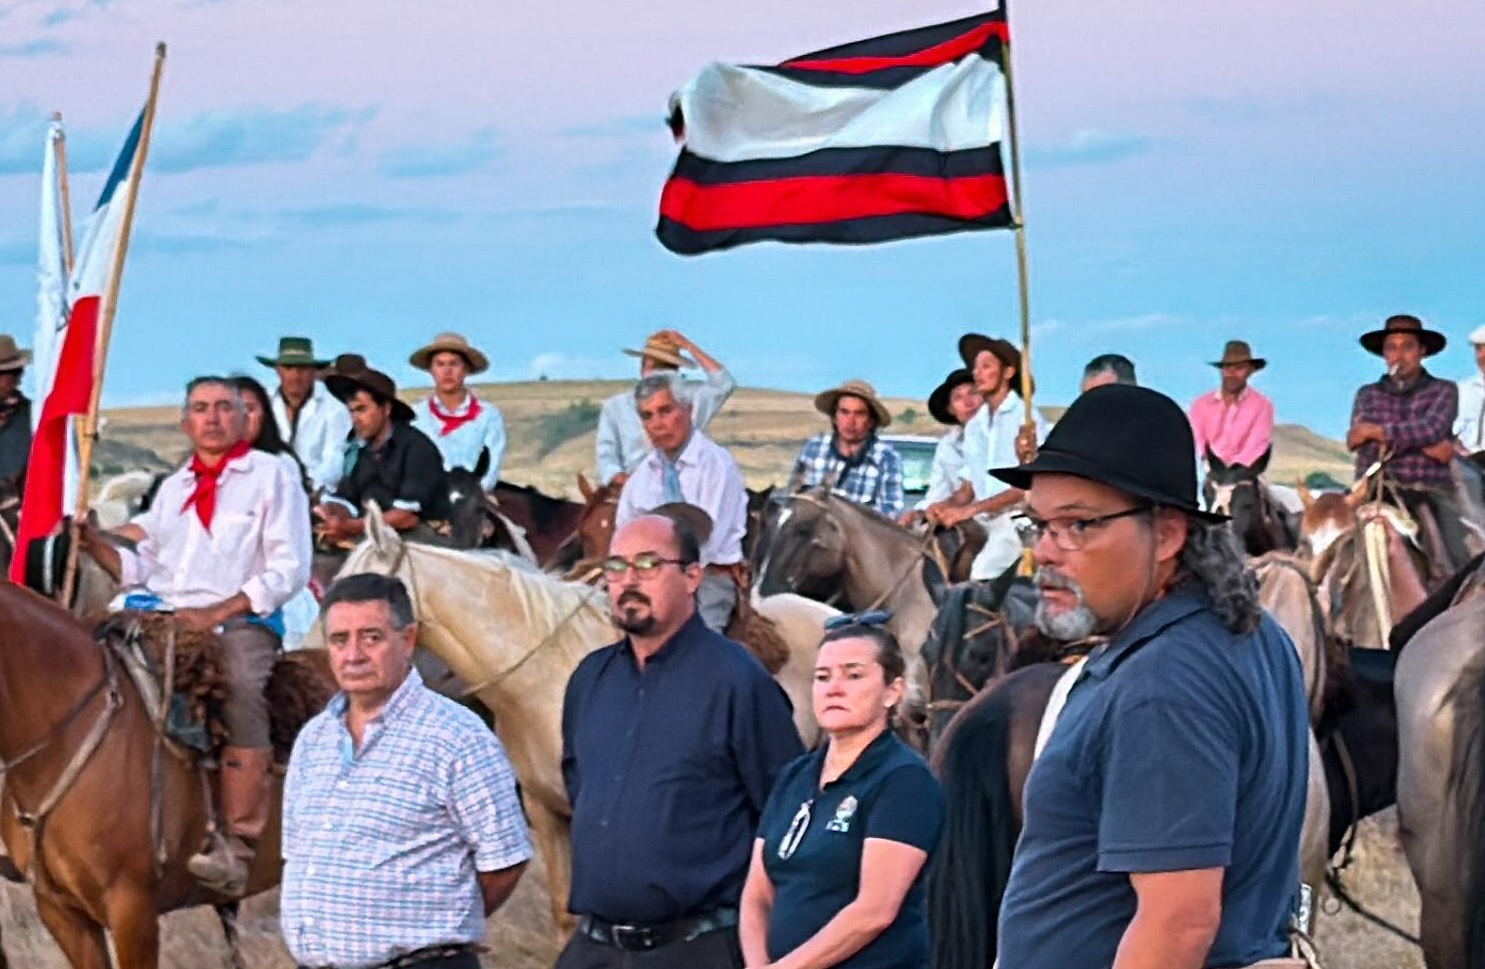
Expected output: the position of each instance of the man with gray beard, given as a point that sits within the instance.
(1162, 819)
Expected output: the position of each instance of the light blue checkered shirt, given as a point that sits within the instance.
(381, 845)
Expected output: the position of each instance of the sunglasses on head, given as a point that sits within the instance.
(876, 617)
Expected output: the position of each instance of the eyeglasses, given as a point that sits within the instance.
(1070, 534)
(877, 617)
(796, 831)
(645, 565)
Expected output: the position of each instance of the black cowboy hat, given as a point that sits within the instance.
(971, 345)
(938, 401)
(350, 373)
(1432, 340)
(1131, 438)
(1238, 351)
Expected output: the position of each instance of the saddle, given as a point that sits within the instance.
(151, 647)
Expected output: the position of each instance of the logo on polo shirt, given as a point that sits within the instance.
(843, 815)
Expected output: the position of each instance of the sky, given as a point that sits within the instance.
(370, 174)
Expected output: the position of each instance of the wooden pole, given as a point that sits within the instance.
(1018, 213)
(59, 150)
(107, 304)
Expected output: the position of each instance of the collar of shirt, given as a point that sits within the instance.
(401, 698)
(672, 645)
(1242, 397)
(687, 457)
(1389, 386)
(875, 752)
(1181, 602)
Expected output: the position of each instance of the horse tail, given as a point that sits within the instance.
(973, 862)
(1466, 791)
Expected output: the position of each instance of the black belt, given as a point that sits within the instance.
(643, 938)
(427, 954)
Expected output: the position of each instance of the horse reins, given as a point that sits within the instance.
(6, 529)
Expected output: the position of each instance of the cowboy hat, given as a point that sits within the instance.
(350, 374)
(1478, 336)
(663, 351)
(1134, 439)
(1432, 341)
(11, 356)
(294, 351)
(971, 345)
(825, 402)
(1238, 351)
(422, 358)
(938, 401)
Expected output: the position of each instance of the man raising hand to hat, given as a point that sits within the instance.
(464, 427)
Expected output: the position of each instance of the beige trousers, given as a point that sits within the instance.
(249, 651)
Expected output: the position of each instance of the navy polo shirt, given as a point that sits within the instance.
(667, 771)
(887, 793)
(1183, 746)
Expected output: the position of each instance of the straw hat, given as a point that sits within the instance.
(349, 374)
(11, 356)
(294, 351)
(663, 351)
(422, 358)
(1432, 340)
(826, 401)
(1238, 351)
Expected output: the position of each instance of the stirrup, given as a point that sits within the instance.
(221, 866)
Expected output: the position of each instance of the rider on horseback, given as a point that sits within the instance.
(1235, 423)
(225, 544)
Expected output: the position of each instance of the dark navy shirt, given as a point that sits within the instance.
(1183, 746)
(667, 771)
(888, 793)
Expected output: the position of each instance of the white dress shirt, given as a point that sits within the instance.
(621, 435)
(1470, 426)
(259, 543)
(990, 442)
(461, 447)
(319, 436)
(943, 476)
(710, 480)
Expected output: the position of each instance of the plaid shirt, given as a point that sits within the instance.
(381, 844)
(876, 482)
(1414, 417)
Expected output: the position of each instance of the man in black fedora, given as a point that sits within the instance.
(387, 461)
(312, 421)
(1406, 421)
(1164, 813)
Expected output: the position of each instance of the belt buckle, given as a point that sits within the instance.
(632, 938)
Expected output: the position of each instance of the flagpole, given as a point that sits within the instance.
(1018, 214)
(107, 304)
(59, 150)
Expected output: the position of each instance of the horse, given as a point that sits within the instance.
(10, 517)
(597, 520)
(1369, 573)
(516, 635)
(78, 744)
(550, 524)
(1238, 490)
(1440, 696)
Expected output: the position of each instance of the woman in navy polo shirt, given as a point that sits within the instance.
(838, 868)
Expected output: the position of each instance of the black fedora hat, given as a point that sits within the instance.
(1131, 438)
(1431, 340)
(938, 401)
(350, 373)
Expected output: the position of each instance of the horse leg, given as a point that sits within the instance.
(227, 915)
(81, 939)
(134, 925)
(552, 834)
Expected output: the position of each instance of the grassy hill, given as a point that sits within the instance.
(551, 427)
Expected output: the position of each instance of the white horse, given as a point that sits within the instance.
(516, 636)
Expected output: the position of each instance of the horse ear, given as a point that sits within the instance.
(1214, 462)
(1356, 497)
(383, 537)
(1261, 465)
(1305, 497)
(483, 464)
(585, 488)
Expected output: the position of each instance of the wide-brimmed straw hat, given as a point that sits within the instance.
(825, 402)
(294, 351)
(1134, 439)
(938, 401)
(664, 351)
(1238, 351)
(422, 358)
(1432, 340)
(350, 373)
(12, 357)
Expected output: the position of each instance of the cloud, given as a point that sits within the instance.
(251, 136)
(58, 17)
(433, 161)
(40, 47)
(1089, 147)
(341, 214)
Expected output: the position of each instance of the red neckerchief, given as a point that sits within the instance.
(452, 422)
(205, 495)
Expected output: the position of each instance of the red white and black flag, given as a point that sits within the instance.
(888, 138)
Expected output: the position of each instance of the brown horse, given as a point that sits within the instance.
(601, 505)
(78, 744)
(551, 524)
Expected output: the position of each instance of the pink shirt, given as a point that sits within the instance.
(1237, 433)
